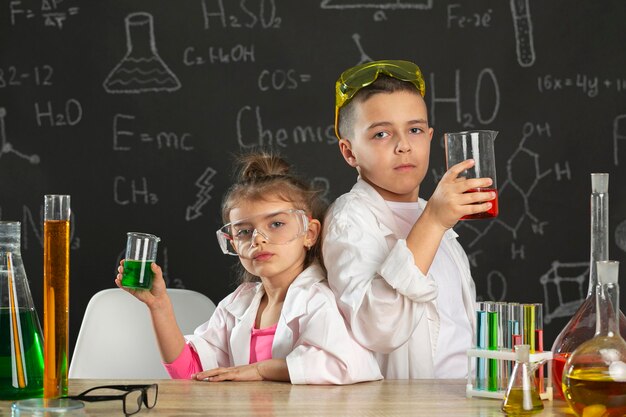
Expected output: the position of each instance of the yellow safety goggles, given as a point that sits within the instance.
(355, 78)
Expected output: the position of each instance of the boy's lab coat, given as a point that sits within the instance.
(388, 302)
(311, 334)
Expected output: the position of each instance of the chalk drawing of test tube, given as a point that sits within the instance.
(523, 32)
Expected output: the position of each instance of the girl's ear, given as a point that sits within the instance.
(312, 233)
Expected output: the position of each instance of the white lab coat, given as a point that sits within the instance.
(311, 334)
(388, 302)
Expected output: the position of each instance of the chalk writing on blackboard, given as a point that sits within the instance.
(252, 133)
(563, 278)
(589, 85)
(30, 227)
(50, 12)
(522, 23)
(218, 55)
(496, 279)
(486, 80)
(203, 195)
(132, 191)
(251, 14)
(460, 19)
(48, 114)
(323, 185)
(142, 69)
(280, 79)
(40, 76)
(125, 138)
(620, 235)
(377, 4)
(7, 147)
(170, 281)
(619, 134)
(519, 189)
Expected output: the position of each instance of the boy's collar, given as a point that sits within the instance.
(382, 211)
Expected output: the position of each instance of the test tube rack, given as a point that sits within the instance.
(508, 355)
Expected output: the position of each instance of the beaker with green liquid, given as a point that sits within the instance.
(21, 341)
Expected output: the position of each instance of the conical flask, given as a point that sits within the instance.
(594, 378)
(521, 397)
(21, 342)
(142, 69)
(582, 325)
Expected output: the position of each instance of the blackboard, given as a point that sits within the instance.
(136, 109)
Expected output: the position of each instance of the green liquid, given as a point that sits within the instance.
(32, 342)
(137, 275)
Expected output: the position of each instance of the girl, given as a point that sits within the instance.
(282, 322)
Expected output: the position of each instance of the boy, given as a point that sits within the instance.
(402, 280)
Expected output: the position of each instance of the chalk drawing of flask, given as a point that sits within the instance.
(141, 70)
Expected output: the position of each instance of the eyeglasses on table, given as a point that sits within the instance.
(132, 399)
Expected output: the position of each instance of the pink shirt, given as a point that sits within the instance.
(261, 343)
(188, 362)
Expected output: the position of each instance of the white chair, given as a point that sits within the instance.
(116, 339)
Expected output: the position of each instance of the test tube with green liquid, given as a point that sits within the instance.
(529, 326)
(492, 325)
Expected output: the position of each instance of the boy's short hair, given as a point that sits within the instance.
(383, 84)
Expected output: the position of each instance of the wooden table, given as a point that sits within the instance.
(383, 398)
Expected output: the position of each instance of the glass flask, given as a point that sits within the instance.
(582, 325)
(521, 397)
(594, 378)
(56, 283)
(21, 342)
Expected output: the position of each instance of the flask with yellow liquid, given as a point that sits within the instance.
(594, 378)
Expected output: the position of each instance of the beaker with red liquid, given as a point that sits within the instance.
(476, 145)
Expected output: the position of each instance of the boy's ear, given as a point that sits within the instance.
(345, 147)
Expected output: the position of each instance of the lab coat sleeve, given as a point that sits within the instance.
(380, 291)
(325, 352)
(210, 340)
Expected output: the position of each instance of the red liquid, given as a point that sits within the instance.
(540, 371)
(558, 363)
(492, 212)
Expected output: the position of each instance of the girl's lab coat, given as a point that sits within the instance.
(311, 334)
(389, 303)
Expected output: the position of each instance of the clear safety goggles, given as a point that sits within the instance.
(355, 78)
(278, 228)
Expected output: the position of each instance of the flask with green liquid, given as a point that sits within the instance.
(21, 342)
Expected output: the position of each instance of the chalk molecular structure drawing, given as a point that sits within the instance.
(364, 57)
(141, 70)
(6, 145)
(514, 185)
(559, 275)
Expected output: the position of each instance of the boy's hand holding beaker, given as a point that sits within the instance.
(452, 200)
